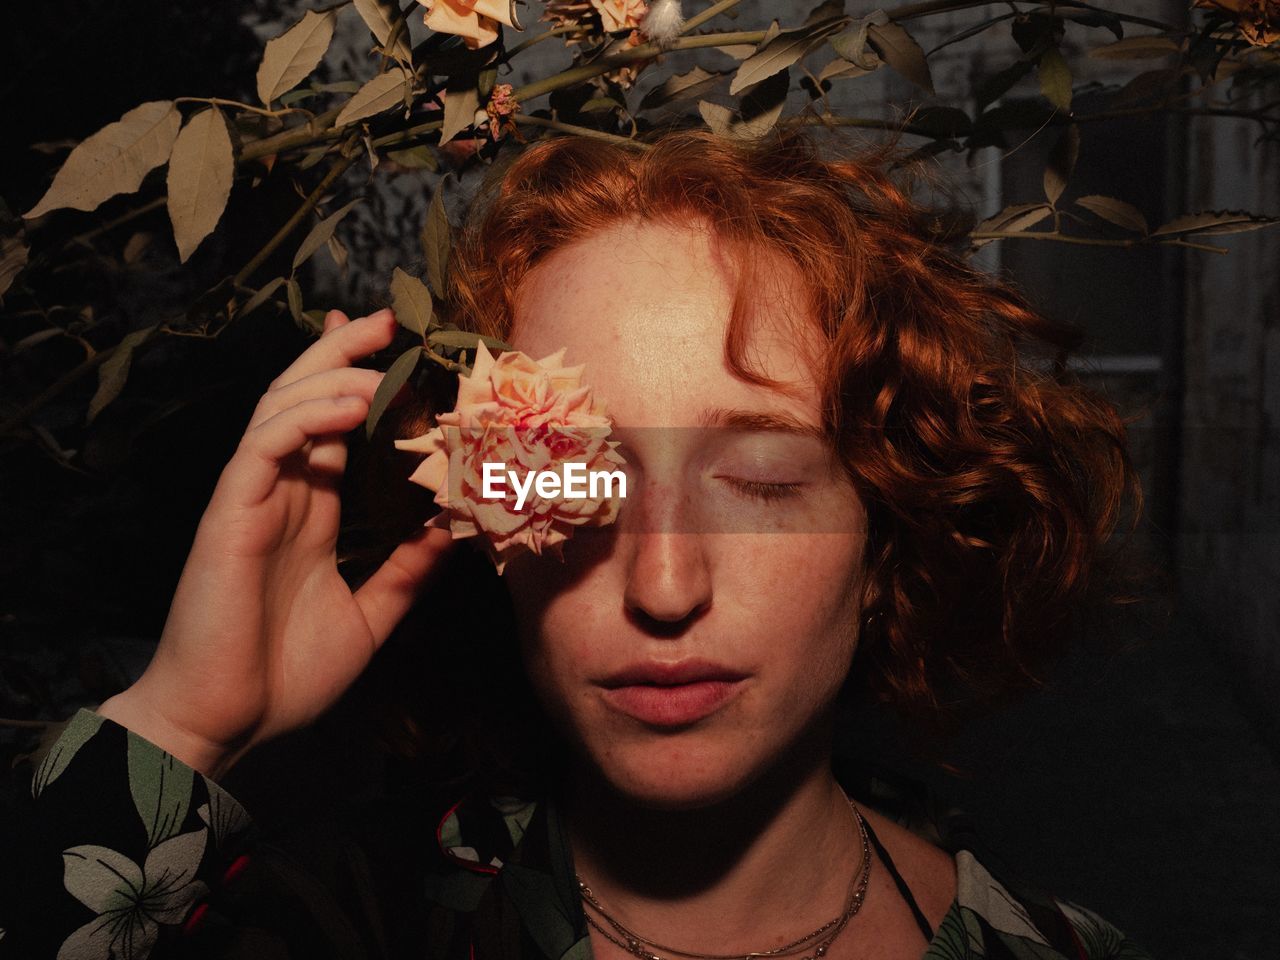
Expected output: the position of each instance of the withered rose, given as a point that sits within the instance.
(1258, 20)
(531, 416)
(476, 21)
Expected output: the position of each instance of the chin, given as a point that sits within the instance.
(673, 771)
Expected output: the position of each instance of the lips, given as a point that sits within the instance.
(672, 694)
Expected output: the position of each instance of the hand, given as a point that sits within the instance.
(264, 634)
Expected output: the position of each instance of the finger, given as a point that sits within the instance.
(343, 382)
(334, 319)
(341, 346)
(262, 449)
(387, 596)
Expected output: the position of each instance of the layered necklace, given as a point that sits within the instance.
(816, 943)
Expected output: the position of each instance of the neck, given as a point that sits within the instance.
(750, 873)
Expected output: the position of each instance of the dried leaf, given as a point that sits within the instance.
(420, 157)
(437, 240)
(114, 160)
(200, 174)
(115, 370)
(13, 257)
(383, 92)
(1137, 48)
(684, 86)
(1213, 223)
(900, 50)
(261, 297)
(1055, 79)
(380, 17)
(839, 69)
(294, 54)
(1115, 211)
(396, 376)
(779, 52)
(460, 105)
(320, 234)
(411, 301)
(1014, 219)
(1062, 162)
(852, 44)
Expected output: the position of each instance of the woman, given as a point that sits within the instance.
(848, 474)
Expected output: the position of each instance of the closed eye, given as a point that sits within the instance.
(759, 490)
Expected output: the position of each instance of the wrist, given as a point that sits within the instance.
(133, 711)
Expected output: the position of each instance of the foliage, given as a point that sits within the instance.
(289, 170)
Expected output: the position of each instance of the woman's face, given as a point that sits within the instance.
(688, 647)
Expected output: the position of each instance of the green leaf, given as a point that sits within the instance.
(380, 17)
(464, 340)
(411, 301)
(161, 788)
(396, 376)
(383, 92)
(261, 297)
(437, 241)
(200, 173)
(296, 309)
(114, 160)
(320, 234)
(780, 52)
(1055, 79)
(1138, 48)
(77, 732)
(290, 57)
(900, 50)
(1213, 223)
(115, 370)
(1062, 163)
(1115, 211)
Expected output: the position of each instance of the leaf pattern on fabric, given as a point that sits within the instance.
(161, 788)
(131, 901)
(79, 729)
(982, 893)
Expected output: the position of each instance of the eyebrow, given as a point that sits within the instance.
(734, 419)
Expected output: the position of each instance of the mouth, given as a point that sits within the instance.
(672, 694)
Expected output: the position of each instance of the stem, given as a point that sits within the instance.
(697, 20)
(1094, 242)
(56, 389)
(338, 169)
(26, 724)
(300, 136)
(218, 101)
(118, 221)
(579, 131)
(546, 35)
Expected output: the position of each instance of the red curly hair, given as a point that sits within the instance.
(993, 480)
(992, 484)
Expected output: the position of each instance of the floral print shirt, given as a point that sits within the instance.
(121, 852)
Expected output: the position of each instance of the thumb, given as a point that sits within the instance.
(386, 596)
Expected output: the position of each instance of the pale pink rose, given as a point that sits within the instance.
(528, 415)
(620, 14)
(476, 21)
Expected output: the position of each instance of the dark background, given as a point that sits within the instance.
(1141, 783)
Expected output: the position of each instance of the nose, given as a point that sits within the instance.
(668, 581)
